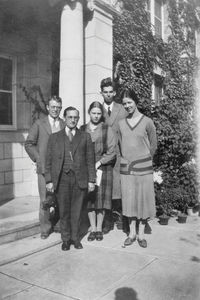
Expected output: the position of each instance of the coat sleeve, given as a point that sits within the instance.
(48, 164)
(111, 148)
(90, 159)
(151, 132)
(31, 142)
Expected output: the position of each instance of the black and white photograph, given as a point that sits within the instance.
(99, 149)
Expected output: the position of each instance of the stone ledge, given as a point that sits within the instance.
(16, 250)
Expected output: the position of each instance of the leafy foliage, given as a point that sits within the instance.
(136, 53)
(35, 96)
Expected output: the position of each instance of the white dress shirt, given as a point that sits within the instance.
(106, 106)
(54, 123)
(73, 131)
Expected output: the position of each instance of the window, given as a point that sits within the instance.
(158, 17)
(154, 11)
(7, 93)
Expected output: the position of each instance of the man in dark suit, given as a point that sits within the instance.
(36, 146)
(113, 112)
(70, 171)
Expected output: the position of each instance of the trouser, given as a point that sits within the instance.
(44, 215)
(70, 200)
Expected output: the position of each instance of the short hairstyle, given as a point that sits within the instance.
(130, 93)
(98, 105)
(106, 82)
(55, 98)
(69, 108)
(95, 104)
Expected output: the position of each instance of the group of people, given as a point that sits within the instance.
(106, 163)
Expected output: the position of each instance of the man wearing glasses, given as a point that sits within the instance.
(36, 147)
(70, 173)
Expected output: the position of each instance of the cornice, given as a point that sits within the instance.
(111, 6)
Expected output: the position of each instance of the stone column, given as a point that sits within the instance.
(98, 51)
(71, 57)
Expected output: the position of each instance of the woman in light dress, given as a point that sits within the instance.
(138, 144)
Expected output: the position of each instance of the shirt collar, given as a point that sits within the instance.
(106, 106)
(67, 130)
(52, 120)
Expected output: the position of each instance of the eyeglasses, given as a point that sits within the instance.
(55, 107)
(71, 117)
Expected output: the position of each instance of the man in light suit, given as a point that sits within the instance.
(36, 147)
(70, 172)
(113, 112)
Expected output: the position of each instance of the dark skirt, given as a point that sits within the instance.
(101, 198)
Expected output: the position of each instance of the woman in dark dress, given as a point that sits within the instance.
(104, 145)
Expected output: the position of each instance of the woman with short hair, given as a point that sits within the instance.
(138, 144)
(104, 145)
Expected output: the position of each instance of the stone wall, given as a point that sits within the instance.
(17, 172)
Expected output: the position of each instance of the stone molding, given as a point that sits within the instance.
(111, 6)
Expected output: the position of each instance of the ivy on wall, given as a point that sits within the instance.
(136, 52)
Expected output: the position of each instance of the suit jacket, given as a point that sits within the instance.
(118, 113)
(83, 158)
(37, 140)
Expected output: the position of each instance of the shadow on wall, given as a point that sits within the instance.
(17, 172)
(126, 293)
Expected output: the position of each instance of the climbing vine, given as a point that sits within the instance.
(136, 53)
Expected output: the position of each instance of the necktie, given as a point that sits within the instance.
(109, 111)
(70, 135)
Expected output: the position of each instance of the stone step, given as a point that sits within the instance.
(18, 249)
(18, 227)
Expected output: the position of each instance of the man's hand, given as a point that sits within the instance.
(49, 187)
(91, 186)
(98, 164)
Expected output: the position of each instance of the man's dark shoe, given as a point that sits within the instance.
(106, 229)
(78, 245)
(147, 228)
(44, 236)
(66, 246)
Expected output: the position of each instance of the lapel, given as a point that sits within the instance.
(46, 125)
(76, 140)
(62, 124)
(60, 143)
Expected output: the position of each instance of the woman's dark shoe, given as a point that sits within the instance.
(99, 236)
(142, 243)
(66, 246)
(91, 236)
(129, 241)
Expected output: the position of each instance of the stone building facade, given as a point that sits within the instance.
(61, 46)
(58, 45)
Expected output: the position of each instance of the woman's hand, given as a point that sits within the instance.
(98, 164)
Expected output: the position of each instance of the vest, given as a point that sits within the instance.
(68, 164)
